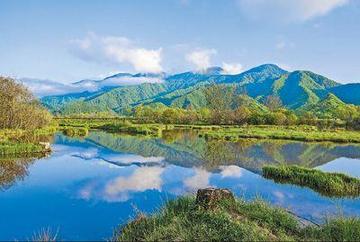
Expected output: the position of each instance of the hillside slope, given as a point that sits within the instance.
(297, 90)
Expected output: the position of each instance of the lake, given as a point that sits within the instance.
(88, 187)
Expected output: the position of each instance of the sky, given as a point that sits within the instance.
(71, 40)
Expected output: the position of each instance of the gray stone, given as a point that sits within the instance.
(209, 198)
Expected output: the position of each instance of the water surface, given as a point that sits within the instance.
(87, 187)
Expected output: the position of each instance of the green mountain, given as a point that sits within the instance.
(348, 93)
(300, 88)
(297, 90)
(331, 107)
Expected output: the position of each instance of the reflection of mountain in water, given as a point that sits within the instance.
(186, 149)
(13, 170)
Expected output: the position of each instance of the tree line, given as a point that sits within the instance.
(229, 106)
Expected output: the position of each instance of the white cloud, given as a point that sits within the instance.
(117, 51)
(232, 68)
(143, 178)
(46, 87)
(199, 180)
(231, 171)
(298, 10)
(201, 58)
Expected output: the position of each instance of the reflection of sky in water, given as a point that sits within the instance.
(86, 190)
(343, 165)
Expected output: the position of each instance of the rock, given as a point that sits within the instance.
(46, 145)
(209, 198)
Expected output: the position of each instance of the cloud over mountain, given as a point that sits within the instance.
(201, 58)
(118, 51)
(232, 68)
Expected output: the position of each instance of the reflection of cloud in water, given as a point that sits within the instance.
(129, 159)
(279, 196)
(86, 192)
(88, 154)
(231, 171)
(118, 159)
(144, 178)
(199, 180)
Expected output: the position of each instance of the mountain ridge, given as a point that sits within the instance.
(296, 90)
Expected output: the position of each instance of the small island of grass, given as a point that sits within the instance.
(233, 220)
(328, 184)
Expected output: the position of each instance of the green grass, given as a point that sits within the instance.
(17, 141)
(224, 132)
(120, 125)
(328, 184)
(338, 229)
(72, 132)
(23, 148)
(183, 220)
(142, 129)
(299, 133)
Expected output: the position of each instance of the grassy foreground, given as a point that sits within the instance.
(299, 133)
(328, 184)
(183, 220)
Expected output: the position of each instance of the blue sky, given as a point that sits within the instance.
(70, 40)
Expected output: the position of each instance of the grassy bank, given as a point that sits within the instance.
(183, 220)
(17, 141)
(329, 184)
(299, 133)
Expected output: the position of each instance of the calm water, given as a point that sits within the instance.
(87, 187)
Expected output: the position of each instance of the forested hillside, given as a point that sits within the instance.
(298, 90)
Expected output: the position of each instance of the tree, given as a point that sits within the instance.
(170, 116)
(19, 108)
(242, 115)
(219, 97)
(273, 102)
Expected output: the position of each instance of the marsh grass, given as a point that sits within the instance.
(45, 235)
(75, 132)
(116, 125)
(328, 184)
(300, 133)
(183, 220)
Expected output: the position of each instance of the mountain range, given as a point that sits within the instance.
(298, 90)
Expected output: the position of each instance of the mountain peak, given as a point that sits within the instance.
(215, 70)
(269, 68)
(159, 75)
(121, 74)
